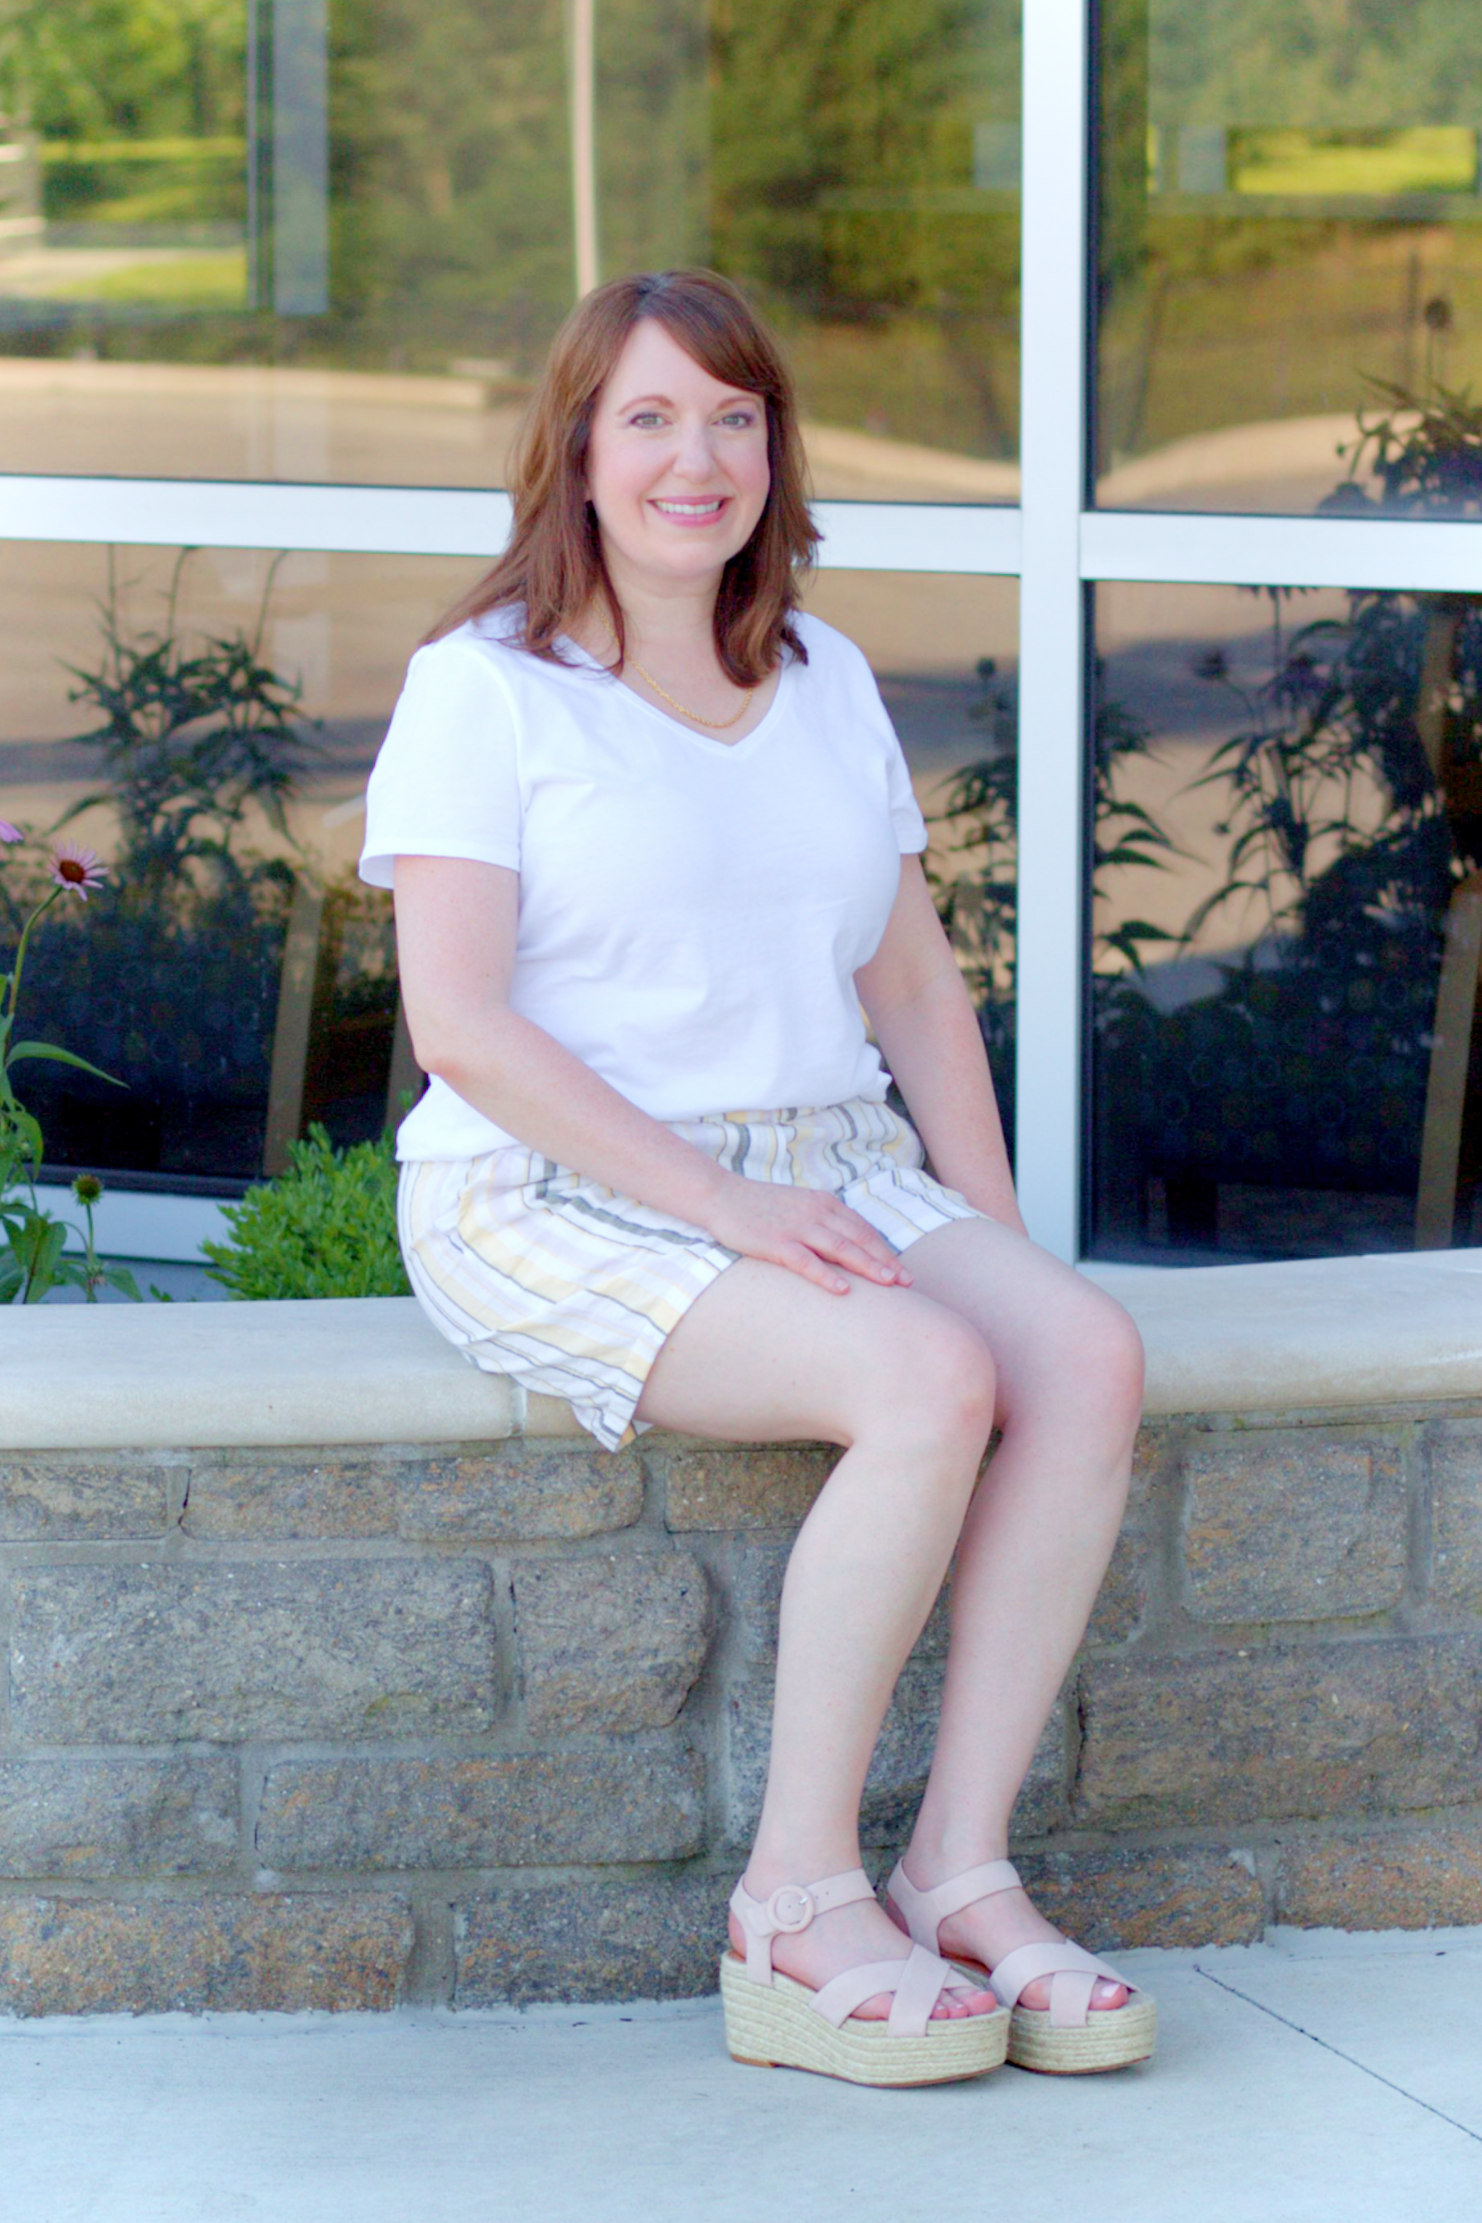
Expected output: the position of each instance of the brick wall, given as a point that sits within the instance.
(366, 1727)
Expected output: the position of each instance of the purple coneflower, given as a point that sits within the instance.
(78, 869)
(9, 832)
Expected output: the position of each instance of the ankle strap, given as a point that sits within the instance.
(925, 1911)
(791, 1907)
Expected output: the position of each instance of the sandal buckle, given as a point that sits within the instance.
(790, 1908)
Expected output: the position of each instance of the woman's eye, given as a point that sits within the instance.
(739, 418)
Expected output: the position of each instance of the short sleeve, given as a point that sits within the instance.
(867, 708)
(446, 782)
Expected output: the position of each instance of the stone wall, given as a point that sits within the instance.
(405, 1725)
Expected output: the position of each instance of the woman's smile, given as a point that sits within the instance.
(688, 510)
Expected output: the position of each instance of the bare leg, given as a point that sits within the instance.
(907, 1386)
(1034, 1548)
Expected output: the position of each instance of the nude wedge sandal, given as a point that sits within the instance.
(1067, 2038)
(773, 2022)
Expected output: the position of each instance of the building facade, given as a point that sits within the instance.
(1134, 345)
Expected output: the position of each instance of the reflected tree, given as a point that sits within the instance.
(975, 886)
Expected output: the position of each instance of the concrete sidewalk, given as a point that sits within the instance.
(1318, 2078)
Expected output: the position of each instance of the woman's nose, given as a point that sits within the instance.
(694, 456)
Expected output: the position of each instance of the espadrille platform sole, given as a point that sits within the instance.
(776, 2025)
(1067, 2038)
(1109, 2038)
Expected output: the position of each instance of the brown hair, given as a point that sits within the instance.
(553, 565)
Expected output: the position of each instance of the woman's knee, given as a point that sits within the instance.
(1106, 1354)
(1122, 1352)
(1081, 1366)
(935, 1378)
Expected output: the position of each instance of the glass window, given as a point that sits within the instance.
(944, 650)
(205, 722)
(1287, 918)
(1290, 234)
(288, 239)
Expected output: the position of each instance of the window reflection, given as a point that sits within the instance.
(1291, 229)
(280, 239)
(206, 721)
(944, 650)
(1286, 909)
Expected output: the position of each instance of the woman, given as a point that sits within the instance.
(653, 845)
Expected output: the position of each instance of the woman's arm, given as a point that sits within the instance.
(455, 933)
(456, 923)
(924, 1022)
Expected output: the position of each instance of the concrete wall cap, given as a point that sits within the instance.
(1307, 1334)
(329, 1370)
(1311, 1335)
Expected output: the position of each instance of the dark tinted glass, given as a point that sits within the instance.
(1287, 923)
(331, 239)
(1290, 247)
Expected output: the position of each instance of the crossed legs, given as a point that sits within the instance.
(910, 1382)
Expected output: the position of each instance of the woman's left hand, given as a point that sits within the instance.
(807, 1230)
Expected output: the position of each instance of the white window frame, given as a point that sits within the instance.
(1055, 545)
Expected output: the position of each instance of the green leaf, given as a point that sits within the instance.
(61, 1057)
(41, 1251)
(1140, 930)
(69, 1273)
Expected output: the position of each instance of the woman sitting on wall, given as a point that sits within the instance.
(654, 844)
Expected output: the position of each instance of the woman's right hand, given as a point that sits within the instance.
(807, 1230)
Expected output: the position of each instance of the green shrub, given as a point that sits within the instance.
(326, 1228)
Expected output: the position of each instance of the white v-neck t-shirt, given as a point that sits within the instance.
(692, 911)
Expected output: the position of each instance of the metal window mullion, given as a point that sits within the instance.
(247, 513)
(1423, 555)
(445, 521)
(1051, 894)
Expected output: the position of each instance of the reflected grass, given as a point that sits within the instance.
(200, 281)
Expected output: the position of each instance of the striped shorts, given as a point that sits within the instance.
(570, 1288)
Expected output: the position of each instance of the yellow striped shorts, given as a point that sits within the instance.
(570, 1288)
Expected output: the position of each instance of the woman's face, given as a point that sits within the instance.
(677, 467)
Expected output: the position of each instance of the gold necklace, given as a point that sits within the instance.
(716, 725)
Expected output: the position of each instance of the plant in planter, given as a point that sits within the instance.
(326, 1228)
(32, 1240)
